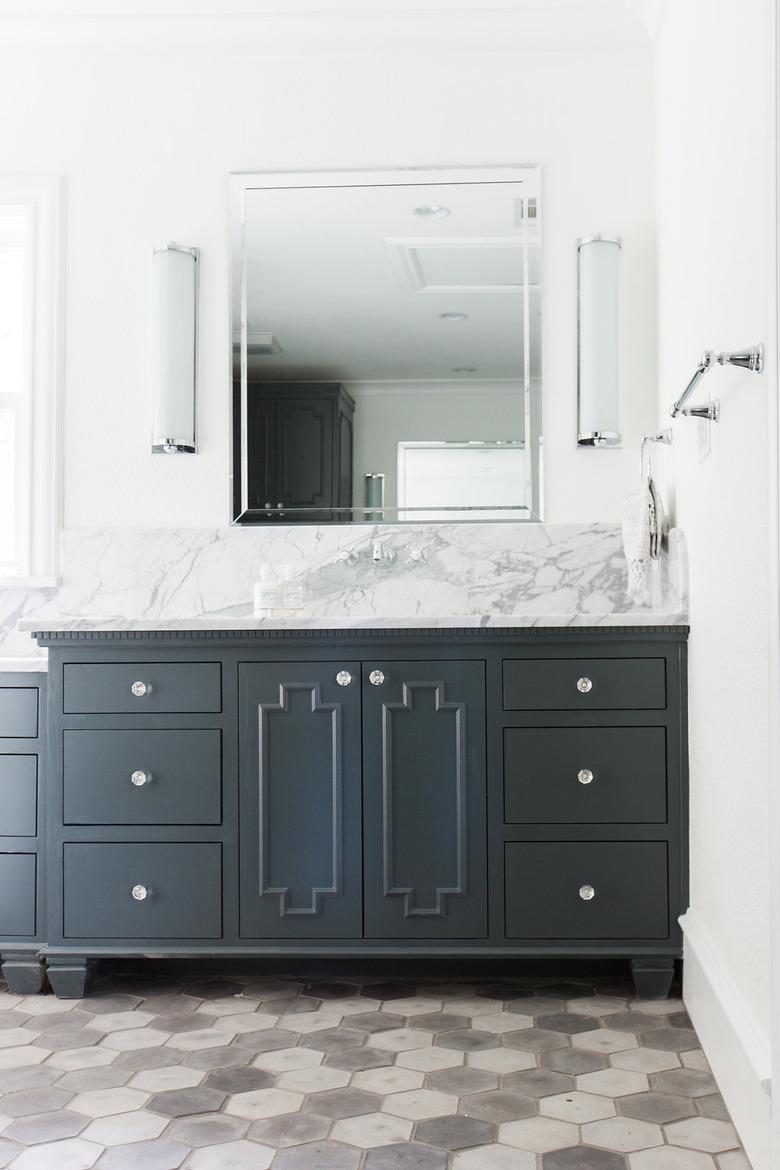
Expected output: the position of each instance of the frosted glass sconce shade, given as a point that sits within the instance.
(598, 339)
(174, 356)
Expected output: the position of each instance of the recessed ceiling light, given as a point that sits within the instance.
(432, 211)
(453, 316)
(464, 369)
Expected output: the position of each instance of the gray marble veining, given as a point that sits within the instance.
(472, 574)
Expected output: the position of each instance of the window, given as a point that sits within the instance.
(30, 375)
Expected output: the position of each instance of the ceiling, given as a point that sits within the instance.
(272, 26)
(351, 283)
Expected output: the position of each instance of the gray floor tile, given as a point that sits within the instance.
(498, 1105)
(456, 1133)
(573, 1060)
(337, 1103)
(186, 1102)
(239, 1080)
(583, 1158)
(657, 1107)
(406, 1156)
(290, 1129)
(46, 1127)
(462, 1080)
(317, 1156)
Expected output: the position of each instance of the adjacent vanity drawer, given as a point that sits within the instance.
(142, 891)
(141, 687)
(18, 712)
(584, 684)
(142, 777)
(582, 775)
(18, 795)
(17, 894)
(586, 890)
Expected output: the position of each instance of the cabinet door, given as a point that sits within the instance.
(424, 800)
(305, 471)
(300, 800)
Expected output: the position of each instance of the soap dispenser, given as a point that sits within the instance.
(266, 593)
(291, 590)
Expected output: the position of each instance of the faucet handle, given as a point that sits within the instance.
(348, 556)
(417, 554)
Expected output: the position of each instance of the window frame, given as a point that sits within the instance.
(44, 195)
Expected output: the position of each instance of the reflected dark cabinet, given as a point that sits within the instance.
(299, 452)
(421, 787)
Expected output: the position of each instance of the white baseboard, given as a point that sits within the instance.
(733, 1042)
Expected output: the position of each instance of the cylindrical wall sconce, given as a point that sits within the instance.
(375, 494)
(174, 354)
(598, 342)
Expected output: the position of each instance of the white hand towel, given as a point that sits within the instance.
(643, 528)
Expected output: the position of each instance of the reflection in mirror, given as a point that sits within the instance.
(386, 346)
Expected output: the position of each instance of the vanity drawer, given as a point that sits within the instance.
(18, 712)
(547, 886)
(17, 894)
(584, 684)
(142, 777)
(18, 795)
(581, 775)
(179, 887)
(138, 687)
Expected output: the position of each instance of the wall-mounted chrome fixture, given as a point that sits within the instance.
(174, 353)
(598, 341)
(748, 359)
(417, 554)
(664, 437)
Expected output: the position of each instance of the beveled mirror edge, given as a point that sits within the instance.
(239, 183)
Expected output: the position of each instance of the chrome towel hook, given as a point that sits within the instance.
(747, 359)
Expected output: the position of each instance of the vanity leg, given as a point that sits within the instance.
(652, 977)
(69, 978)
(24, 973)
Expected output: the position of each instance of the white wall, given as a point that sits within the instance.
(715, 183)
(147, 139)
(389, 413)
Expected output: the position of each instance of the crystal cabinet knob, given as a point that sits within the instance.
(139, 689)
(376, 678)
(140, 893)
(585, 776)
(139, 777)
(587, 893)
(343, 678)
(584, 685)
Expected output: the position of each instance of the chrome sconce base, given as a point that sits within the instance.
(599, 439)
(747, 359)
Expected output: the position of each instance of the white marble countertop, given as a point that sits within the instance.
(204, 622)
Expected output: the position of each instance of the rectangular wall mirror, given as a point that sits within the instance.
(386, 346)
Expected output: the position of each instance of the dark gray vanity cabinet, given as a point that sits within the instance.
(382, 792)
(22, 774)
(299, 452)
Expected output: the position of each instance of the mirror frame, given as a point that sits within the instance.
(242, 182)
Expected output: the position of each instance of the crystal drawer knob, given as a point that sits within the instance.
(587, 893)
(376, 678)
(585, 776)
(343, 678)
(139, 777)
(139, 689)
(140, 893)
(584, 685)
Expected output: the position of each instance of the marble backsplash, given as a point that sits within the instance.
(562, 572)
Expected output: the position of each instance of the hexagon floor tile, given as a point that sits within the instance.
(273, 1073)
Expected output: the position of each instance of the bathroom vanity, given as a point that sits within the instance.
(365, 791)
